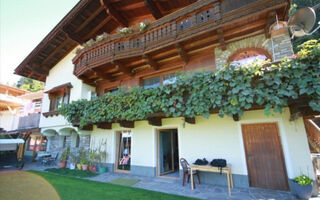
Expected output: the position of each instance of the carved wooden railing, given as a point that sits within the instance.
(175, 27)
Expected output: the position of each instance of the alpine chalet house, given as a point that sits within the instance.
(149, 43)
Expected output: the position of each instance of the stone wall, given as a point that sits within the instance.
(278, 46)
(282, 46)
(56, 141)
(258, 41)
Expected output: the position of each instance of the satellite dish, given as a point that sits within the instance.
(302, 22)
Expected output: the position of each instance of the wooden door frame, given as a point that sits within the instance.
(281, 148)
(157, 132)
(117, 135)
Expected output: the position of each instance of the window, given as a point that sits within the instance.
(59, 95)
(249, 55)
(159, 80)
(37, 143)
(151, 82)
(114, 91)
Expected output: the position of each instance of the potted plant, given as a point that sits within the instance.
(81, 155)
(92, 158)
(102, 157)
(302, 186)
(73, 161)
(64, 157)
(84, 164)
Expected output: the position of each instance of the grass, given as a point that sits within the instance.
(70, 188)
(125, 181)
(72, 173)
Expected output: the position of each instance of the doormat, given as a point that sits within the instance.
(124, 181)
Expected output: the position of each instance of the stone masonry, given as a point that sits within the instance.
(278, 46)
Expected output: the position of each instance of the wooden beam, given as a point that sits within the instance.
(56, 49)
(190, 120)
(127, 124)
(101, 75)
(221, 39)
(121, 68)
(150, 61)
(98, 27)
(295, 112)
(111, 11)
(72, 36)
(270, 19)
(104, 125)
(154, 10)
(88, 127)
(37, 69)
(236, 117)
(132, 6)
(89, 19)
(155, 121)
(183, 54)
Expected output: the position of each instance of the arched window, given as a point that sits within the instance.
(248, 55)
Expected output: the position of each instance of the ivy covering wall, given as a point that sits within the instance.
(229, 91)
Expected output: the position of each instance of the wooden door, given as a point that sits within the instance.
(264, 155)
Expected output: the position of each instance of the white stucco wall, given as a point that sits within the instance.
(60, 74)
(215, 138)
(9, 121)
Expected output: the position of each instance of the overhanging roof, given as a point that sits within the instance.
(86, 20)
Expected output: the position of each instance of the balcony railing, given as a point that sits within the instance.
(30, 121)
(197, 17)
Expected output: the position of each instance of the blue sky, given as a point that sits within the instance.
(23, 24)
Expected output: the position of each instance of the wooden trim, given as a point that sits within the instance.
(154, 10)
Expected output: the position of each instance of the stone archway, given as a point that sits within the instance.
(259, 41)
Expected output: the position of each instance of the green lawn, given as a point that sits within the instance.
(70, 188)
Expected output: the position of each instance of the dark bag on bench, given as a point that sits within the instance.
(220, 163)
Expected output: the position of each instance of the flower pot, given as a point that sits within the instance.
(102, 169)
(79, 167)
(72, 166)
(84, 167)
(303, 192)
(92, 168)
(62, 164)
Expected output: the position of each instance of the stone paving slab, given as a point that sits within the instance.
(174, 186)
(202, 191)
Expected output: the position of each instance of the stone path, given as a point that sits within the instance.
(202, 191)
(174, 186)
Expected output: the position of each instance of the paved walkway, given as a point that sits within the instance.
(174, 186)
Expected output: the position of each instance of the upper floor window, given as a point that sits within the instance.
(59, 95)
(159, 80)
(113, 91)
(249, 55)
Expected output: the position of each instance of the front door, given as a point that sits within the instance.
(264, 155)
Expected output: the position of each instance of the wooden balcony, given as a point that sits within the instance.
(180, 34)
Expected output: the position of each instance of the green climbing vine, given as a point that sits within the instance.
(230, 91)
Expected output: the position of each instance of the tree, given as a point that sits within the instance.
(295, 5)
(30, 84)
